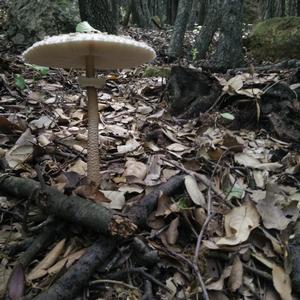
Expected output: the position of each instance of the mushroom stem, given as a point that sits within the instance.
(93, 163)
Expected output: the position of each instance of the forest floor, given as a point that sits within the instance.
(224, 224)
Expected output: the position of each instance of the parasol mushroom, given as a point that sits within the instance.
(90, 51)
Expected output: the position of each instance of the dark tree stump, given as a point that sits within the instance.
(191, 92)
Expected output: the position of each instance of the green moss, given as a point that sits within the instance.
(156, 72)
(276, 38)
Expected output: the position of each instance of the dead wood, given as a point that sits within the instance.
(140, 211)
(191, 92)
(43, 240)
(287, 64)
(70, 208)
(76, 278)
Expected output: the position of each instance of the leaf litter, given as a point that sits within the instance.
(239, 198)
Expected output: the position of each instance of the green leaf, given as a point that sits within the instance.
(236, 192)
(20, 82)
(182, 203)
(42, 70)
(228, 116)
(85, 27)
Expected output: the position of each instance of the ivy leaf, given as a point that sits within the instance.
(42, 70)
(228, 116)
(20, 82)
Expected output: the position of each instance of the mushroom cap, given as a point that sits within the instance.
(70, 51)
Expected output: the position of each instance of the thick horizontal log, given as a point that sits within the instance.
(70, 208)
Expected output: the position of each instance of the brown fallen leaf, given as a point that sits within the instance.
(282, 282)
(219, 284)
(135, 168)
(40, 269)
(163, 206)
(235, 279)
(67, 261)
(239, 222)
(272, 216)
(193, 190)
(91, 192)
(172, 232)
(16, 283)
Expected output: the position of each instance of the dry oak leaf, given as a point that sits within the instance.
(194, 191)
(236, 276)
(172, 232)
(239, 222)
(136, 169)
(281, 279)
(273, 216)
(282, 282)
(49, 260)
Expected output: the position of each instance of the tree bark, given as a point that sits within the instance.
(29, 21)
(141, 13)
(194, 16)
(99, 14)
(229, 52)
(115, 7)
(128, 13)
(210, 26)
(73, 209)
(204, 4)
(293, 7)
(271, 8)
(176, 43)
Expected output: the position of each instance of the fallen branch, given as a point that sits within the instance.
(286, 64)
(140, 211)
(76, 278)
(70, 208)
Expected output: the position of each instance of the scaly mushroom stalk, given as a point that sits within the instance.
(93, 125)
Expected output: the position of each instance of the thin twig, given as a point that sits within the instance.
(129, 286)
(142, 271)
(260, 273)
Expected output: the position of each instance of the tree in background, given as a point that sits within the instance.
(30, 21)
(182, 18)
(194, 15)
(229, 53)
(210, 26)
(293, 8)
(199, 10)
(271, 8)
(141, 13)
(100, 15)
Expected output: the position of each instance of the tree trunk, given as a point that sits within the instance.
(176, 43)
(99, 14)
(194, 16)
(210, 26)
(229, 52)
(161, 11)
(204, 4)
(292, 7)
(141, 13)
(115, 7)
(271, 8)
(171, 10)
(29, 21)
(128, 13)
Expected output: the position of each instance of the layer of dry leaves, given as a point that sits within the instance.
(252, 192)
